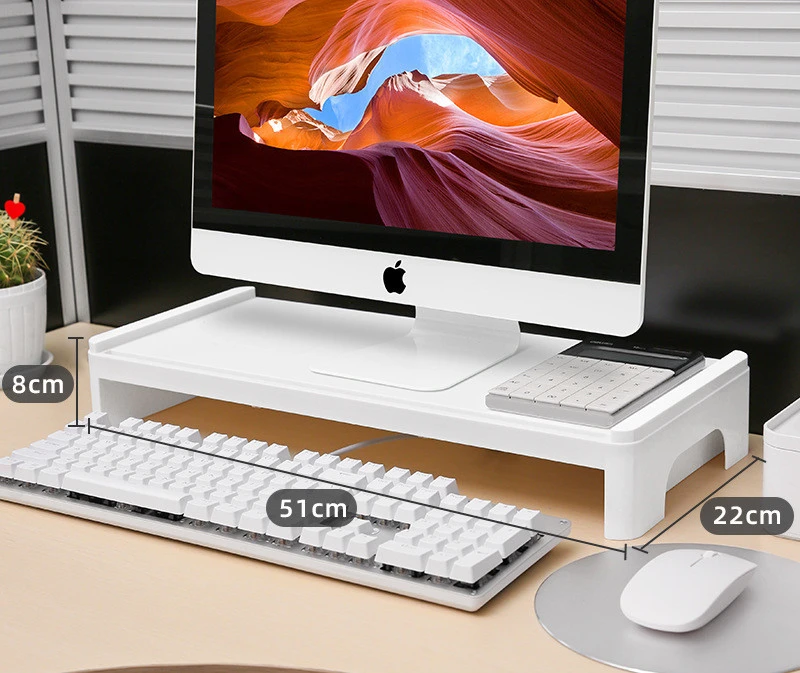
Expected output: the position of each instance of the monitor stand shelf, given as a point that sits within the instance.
(239, 348)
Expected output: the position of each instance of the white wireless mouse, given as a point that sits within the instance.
(684, 589)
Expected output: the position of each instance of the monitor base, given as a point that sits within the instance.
(442, 350)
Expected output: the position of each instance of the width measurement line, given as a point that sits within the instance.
(755, 460)
(357, 488)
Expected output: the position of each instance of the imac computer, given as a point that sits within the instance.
(485, 161)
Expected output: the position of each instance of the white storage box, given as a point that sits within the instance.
(782, 469)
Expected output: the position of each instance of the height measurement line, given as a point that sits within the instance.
(77, 384)
(357, 488)
(755, 460)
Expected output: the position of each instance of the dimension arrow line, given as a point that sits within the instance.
(357, 488)
(77, 384)
(755, 460)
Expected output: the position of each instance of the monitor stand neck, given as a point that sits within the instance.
(441, 350)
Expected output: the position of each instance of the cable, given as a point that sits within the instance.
(370, 442)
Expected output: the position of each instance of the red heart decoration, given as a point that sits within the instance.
(15, 210)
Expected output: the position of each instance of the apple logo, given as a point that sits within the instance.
(393, 279)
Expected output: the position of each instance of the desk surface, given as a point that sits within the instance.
(79, 595)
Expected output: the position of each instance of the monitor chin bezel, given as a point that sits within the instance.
(564, 302)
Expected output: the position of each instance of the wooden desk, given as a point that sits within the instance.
(78, 595)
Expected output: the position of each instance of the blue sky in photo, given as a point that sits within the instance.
(432, 55)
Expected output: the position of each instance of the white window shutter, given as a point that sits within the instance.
(22, 108)
(728, 95)
(130, 67)
(727, 86)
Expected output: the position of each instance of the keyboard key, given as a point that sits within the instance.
(200, 509)
(327, 461)
(475, 565)
(473, 537)
(458, 548)
(52, 476)
(289, 466)
(235, 443)
(419, 480)
(241, 472)
(444, 485)
(433, 542)
(97, 418)
(351, 465)
(426, 496)
(384, 508)
(167, 433)
(477, 507)
(243, 501)
(439, 516)
(343, 478)
(409, 536)
(131, 425)
(227, 514)
(48, 446)
(486, 527)
(214, 442)
(372, 471)
(306, 457)
(314, 536)
(268, 461)
(188, 435)
(408, 512)
(148, 428)
(36, 455)
(380, 486)
(450, 532)
(502, 512)
(440, 563)
(462, 521)
(337, 540)
(402, 556)
(402, 491)
(425, 526)
(28, 471)
(398, 474)
(360, 526)
(364, 503)
(283, 533)
(129, 493)
(363, 546)
(454, 502)
(525, 517)
(253, 520)
(507, 540)
(309, 470)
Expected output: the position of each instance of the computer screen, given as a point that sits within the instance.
(468, 132)
(509, 134)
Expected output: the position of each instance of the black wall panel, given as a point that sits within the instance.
(25, 170)
(722, 266)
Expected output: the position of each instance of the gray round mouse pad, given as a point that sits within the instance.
(759, 633)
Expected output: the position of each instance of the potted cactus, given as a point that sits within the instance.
(23, 289)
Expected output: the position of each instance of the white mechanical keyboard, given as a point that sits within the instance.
(413, 534)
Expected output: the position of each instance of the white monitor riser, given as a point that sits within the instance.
(238, 348)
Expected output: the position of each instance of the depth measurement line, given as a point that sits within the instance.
(755, 460)
(357, 488)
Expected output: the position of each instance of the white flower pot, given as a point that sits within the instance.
(23, 321)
